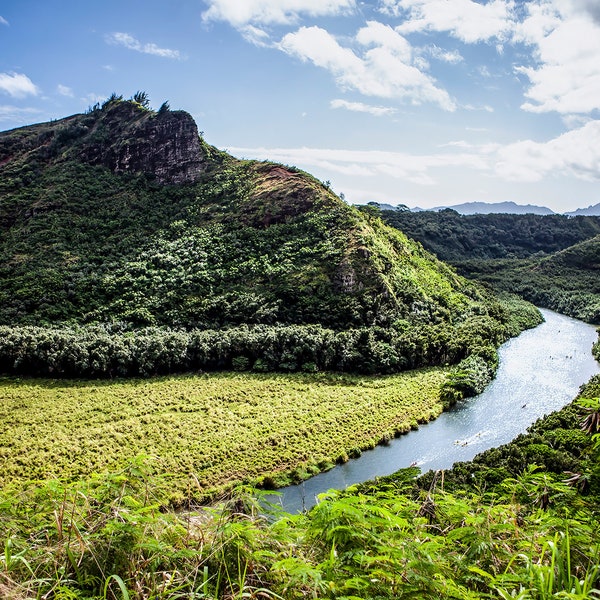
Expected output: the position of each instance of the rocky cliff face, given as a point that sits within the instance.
(122, 136)
(164, 145)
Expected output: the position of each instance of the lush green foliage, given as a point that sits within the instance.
(132, 277)
(257, 267)
(100, 351)
(208, 431)
(455, 237)
(109, 537)
(566, 281)
(551, 260)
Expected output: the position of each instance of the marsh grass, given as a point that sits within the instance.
(209, 432)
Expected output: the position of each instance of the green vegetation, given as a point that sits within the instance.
(207, 431)
(531, 536)
(566, 281)
(549, 260)
(100, 351)
(123, 254)
(96, 250)
(455, 237)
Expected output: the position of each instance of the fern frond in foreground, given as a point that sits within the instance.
(109, 537)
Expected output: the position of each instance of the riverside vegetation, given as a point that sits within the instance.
(131, 247)
(530, 533)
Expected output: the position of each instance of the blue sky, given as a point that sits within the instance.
(419, 102)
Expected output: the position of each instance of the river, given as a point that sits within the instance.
(540, 371)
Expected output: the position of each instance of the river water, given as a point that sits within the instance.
(540, 371)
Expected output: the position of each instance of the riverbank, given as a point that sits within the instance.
(540, 371)
(529, 535)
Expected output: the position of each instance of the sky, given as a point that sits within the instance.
(416, 102)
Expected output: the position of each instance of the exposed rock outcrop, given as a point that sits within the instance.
(165, 145)
(122, 136)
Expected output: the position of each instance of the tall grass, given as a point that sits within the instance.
(209, 432)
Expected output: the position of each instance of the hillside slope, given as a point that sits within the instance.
(126, 217)
(550, 260)
(455, 237)
(566, 281)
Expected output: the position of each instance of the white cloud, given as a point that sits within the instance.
(63, 90)
(575, 153)
(17, 113)
(450, 56)
(17, 85)
(269, 12)
(128, 41)
(466, 20)
(382, 69)
(3, 21)
(256, 36)
(377, 111)
(485, 107)
(567, 50)
(368, 163)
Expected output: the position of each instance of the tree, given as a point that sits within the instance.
(142, 99)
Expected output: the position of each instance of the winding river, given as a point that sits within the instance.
(540, 371)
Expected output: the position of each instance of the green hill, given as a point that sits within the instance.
(127, 217)
(550, 260)
(455, 237)
(566, 281)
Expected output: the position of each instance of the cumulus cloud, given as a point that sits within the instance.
(377, 111)
(591, 7)
(17, 85)
(566, 43)
(3, 21)
(63, 90)
(270, 12)
(575, 153)
(128, 41)
(383, 66)
(466, 20)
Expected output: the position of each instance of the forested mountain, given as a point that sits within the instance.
(455, 237)
(124, 217)
(552, 260)
(567, 281)
(126, 214)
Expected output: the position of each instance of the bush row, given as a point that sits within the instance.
(98, 351)
(470, 377)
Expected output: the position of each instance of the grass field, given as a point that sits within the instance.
(207, 431)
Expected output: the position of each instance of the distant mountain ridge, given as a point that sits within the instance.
(487, 208)
(591, 211)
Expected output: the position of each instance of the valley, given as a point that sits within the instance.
(180, 328)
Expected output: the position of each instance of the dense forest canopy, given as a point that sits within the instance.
(550, 260)
(455, 237)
